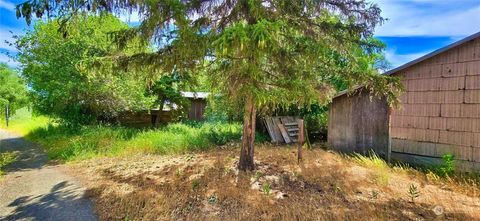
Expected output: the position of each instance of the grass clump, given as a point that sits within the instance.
(6, 159)
(371, 161)
(375, 162)
(266, 188)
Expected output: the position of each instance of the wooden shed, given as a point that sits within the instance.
(359, 123)
(198, 103)
(439, 112)
(142, 119)
(155, 117)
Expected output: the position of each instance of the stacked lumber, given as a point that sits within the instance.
(283, 129)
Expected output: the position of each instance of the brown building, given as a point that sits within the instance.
(195, 112)
(439, 112)
(198, 103)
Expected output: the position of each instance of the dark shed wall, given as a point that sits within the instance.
(197, 109)
(145, 118)
(359, 123)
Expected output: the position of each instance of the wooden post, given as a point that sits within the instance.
(301, 139)
(7, 112)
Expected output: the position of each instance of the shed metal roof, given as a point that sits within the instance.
(195, 95)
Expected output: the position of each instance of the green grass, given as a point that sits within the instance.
(84, 142)
(23, 122)
(5, 159)
(68, 144)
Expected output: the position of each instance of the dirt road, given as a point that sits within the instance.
(34, 190)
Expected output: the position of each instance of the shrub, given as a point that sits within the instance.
(447, 167)
(221, 134)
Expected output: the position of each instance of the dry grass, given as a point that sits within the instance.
(327, 186)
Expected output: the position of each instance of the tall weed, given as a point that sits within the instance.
(447, 168)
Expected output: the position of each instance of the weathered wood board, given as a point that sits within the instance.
(285, 135)
(282, 129)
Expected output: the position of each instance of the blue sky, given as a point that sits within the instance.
(414, 27)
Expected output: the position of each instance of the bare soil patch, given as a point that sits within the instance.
(327, 186)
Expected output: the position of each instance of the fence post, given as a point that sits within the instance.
(301, 140)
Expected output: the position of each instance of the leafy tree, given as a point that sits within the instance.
(167, 90)
(53, 66)
(13, 93)
(262, 54)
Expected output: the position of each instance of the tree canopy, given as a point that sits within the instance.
(53, 66)
(13, 92)
(262, 54)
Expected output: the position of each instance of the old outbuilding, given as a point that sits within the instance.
(439, 112)
(151, 118)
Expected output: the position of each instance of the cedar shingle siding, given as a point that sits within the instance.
(440, 109)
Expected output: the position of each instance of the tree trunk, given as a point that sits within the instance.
(246, 153)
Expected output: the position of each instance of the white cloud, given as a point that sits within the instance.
(429, 17)
(7, 5)
(6, 59)
(399, 59)
(129, 17)
(6, 36)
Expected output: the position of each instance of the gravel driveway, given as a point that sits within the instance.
(34, 190)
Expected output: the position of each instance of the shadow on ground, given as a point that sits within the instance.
(28, 155)
(51, 206)
(31, 190)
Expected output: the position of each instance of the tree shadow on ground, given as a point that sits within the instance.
(56, 205)
(28, 155)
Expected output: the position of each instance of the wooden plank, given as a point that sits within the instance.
(276, 129)
(450, 110)
(398, 145)
(461, 124)
(472, 82)
(271, 132)
(284, 133)
(471, 110)
(472, 96)
(292, 129)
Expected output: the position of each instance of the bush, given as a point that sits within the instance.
(221, 134)
(447, 167)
